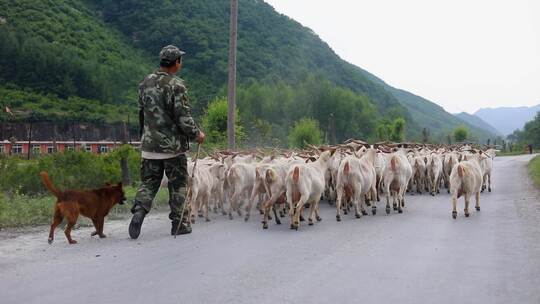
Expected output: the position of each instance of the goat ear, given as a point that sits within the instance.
(312, 159)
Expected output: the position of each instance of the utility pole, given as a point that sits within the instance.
(231, 98)
(30, 120)
(332, 130)
(126, 129)
(29, 138)
(74, 135)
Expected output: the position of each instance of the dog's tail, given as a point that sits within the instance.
(49, 185)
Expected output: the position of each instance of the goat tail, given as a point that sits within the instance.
(460, 170)
(231, 173)
(296, 174)
(270, 176)
(346, 168)
(394, 163)
(47, 182)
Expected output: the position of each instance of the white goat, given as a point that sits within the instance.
(466, 180)
(397, 174)
(356, 181)
(305, 183)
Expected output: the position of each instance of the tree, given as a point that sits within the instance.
(425, 135)
(383, 130)
(398, 130)
(305, 131)
(123, 153)
(391, 130)
(260, 134)
(215, 123)
(461, 133)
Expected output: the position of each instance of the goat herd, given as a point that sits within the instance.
(350, 175)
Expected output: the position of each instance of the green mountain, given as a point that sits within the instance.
(477, 122)
(271, 46)
(59, 51)
(82, 59)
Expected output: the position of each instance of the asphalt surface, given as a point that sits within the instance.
(421, 256)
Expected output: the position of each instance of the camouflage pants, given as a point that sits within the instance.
(151, 175)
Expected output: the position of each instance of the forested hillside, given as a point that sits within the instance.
(477, 122)
(271, 46)
(58, 50)
(82, 59)
(529, 134)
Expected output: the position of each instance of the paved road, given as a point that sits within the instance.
(421, 256)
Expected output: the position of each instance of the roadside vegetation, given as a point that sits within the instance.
(529, 135)
(534, 170)
(18, 210)
(25, 201)
(515, 152)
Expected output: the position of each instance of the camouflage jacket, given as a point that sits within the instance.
(166, 124)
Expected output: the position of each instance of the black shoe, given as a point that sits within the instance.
(184, 228)
(136, 223)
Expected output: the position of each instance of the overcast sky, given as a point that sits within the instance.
(462, 54)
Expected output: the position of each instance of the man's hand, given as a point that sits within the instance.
(201, 137)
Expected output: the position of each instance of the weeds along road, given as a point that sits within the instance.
(421, 256)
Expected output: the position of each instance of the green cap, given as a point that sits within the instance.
(170, 53)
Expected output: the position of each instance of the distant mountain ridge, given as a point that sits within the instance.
(477, 122)
(427, 114)
(508, 119)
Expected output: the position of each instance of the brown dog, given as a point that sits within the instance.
(94, 204)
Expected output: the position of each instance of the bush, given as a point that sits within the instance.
(398, 130)
(215, 124)
(461, 133)
(20, 210)
(391, 130)
(305, 131)
(383, 130)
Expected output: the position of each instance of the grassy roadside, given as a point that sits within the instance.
(21, 210)
(534, 170)
(513, 153)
